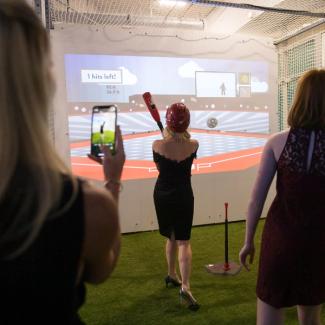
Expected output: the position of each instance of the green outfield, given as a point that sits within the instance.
(136, 294)
(103, 138)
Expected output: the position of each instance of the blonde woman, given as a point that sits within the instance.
(292, 264)
(173, 197)
(56, 232)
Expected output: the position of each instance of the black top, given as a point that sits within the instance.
(39, 286)
(174, 173)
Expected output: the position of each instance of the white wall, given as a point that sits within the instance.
(210, 190)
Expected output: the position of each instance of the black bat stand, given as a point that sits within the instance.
(227, 267)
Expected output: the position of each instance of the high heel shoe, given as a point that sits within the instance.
(173, 282)
(187, 298)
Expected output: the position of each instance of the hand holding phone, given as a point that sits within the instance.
(103, 129)
(112, 165)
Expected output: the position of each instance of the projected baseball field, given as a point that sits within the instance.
(228, 100)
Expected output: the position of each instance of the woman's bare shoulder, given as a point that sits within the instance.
(101, 214)
(100, 209)
(194, 143)
(157, 144)
(278, 138)
(97, 194)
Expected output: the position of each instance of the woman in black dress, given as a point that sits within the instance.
(173, 196)
(57, 232)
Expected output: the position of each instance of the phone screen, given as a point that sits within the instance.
(103, 125)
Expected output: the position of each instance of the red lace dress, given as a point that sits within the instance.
(292, 260)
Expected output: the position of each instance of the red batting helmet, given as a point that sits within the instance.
(178, 117)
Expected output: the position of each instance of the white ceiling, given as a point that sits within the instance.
(214, 18)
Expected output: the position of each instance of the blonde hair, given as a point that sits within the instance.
(30, 169)
(308, 108)
(168, 134)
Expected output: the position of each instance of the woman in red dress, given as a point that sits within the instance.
(292, 264)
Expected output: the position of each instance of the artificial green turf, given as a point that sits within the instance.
(136, 293)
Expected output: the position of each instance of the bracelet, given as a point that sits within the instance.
(114, 182)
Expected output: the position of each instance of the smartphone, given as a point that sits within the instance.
(103, 127)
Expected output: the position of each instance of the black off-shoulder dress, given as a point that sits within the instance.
(173, 196)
